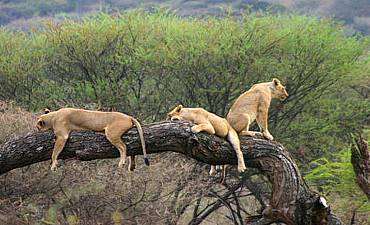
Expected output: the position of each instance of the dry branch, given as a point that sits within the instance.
(292, 202)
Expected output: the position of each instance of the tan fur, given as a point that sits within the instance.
(254, 105)
(113, 124)
(212, 124)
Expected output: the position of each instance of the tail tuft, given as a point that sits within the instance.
(146, 161)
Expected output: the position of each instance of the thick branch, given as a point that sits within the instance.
(292, 202)
(360, 160)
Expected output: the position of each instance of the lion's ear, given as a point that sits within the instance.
(178, 108)
(276, 81)
(47, 110)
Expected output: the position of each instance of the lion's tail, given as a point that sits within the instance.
(140, 130)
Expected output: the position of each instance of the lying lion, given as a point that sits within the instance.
(212, 124)
(254, 105)
(113, 124)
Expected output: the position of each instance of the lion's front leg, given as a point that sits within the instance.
(262, 123)
(123, 153)
(203, 127)
(58, 147)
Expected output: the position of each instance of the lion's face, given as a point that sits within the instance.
(42, 125)
(175, 114)
(279, 90)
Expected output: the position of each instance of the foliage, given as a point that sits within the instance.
(143, 64)
(336, 178)
(22, 59)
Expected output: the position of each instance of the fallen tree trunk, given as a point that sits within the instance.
(292, 202)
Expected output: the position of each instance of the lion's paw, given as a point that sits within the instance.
(268, 136)
(213, 171)
(54, 166)
(195, 129)
(241, 168)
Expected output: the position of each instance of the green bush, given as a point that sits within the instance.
(337, 180)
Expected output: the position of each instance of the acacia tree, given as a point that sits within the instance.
(22, 60)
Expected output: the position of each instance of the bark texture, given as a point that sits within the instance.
(360, 160)
(292, 201)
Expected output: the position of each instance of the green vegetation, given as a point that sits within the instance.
(337, 180)
(144, 64)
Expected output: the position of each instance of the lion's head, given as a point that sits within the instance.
(43, 121)
(175, 114)
(278, 90)
(42, 125)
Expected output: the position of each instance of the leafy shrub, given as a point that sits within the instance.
(336, 180)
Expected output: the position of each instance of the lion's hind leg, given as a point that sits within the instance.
(244, 121)
(213, 171)
(223, 174)
(132, 163)
(233, 138)
(113, 134)
(240, 123)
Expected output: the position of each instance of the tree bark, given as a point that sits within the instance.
(292, 201)
(360, 160)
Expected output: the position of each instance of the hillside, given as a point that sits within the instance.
(24, 14)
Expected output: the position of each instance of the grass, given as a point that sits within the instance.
(14, 121)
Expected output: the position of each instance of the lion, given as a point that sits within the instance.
(113, 124)
(254, 105)
(212, 124)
